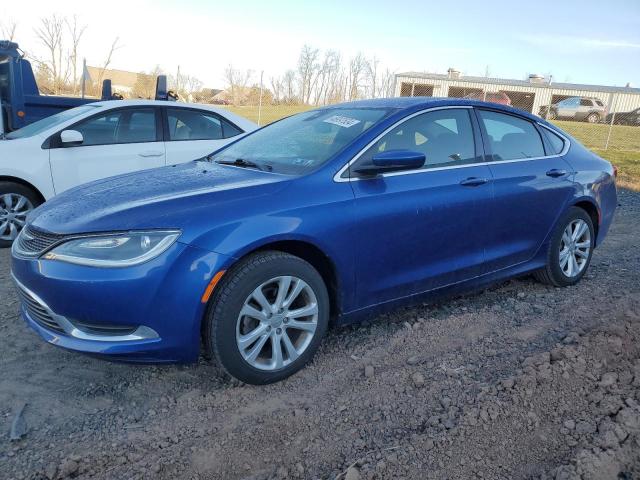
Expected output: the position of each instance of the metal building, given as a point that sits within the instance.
(527, 95)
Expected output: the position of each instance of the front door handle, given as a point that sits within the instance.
(473, 181)
(554, 172)
(151, 153)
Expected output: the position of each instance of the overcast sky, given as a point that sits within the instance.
(584, 41)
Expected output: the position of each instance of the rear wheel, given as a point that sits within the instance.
(267, 317)
(16, 201)
(570, 250)
(593, 118)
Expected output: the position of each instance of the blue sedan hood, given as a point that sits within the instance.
(184, 196)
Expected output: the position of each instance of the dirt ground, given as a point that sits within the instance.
(518, 381)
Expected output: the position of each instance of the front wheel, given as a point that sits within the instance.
(570, 249)
(16, 202)
(267, 317)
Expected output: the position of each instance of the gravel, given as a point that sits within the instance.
(520, 380)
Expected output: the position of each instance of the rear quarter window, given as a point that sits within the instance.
(556, 142)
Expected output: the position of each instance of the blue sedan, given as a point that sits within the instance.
(331, 215)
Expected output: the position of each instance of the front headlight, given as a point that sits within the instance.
(112, 251)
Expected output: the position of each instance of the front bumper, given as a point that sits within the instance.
(146, 313)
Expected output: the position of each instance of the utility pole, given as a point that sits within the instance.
(85, 74)
(260, 101)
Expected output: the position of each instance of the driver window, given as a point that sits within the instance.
(444, 136)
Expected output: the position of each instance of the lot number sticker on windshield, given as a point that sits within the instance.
(341, 121)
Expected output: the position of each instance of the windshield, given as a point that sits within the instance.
(41, 125)
(302, 142)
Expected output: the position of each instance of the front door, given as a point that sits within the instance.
(568, 107)
(118, 141)
(422, 229)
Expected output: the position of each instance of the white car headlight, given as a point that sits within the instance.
(112, 251)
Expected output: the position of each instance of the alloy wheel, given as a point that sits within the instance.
(277, 323)
(13, 214)
(575, 247)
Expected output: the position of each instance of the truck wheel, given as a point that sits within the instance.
(16, 201)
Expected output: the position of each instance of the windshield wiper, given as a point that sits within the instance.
(241, 162)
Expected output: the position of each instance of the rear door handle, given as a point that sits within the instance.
(554, 172)
(151, 153)
(473, 181)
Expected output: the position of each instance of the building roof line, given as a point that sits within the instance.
(520, 83)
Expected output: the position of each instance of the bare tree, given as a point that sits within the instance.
(145, 86)
(385, 84)
(308, 69)
(327, 75)
(75, 31)
(8, 30)
(357, 70)
(185, 85)
(277, 87)
(107, 61)
(289, 80)
(50, 35)
(237, 81)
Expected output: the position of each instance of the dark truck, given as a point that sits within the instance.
(21, 102)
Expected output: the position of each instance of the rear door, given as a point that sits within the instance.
(531, 183)
(191, 134)
(586, 106)
(118, 141)
(425, 228)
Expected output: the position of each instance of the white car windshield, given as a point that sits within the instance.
(43, 124)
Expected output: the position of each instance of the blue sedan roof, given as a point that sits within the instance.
(417, 103)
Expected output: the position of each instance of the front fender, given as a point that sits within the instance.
(324, 222)
(20, 162)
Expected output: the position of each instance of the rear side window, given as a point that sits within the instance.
(586, 103)
(556, 142)
(510, 137)
(187, 124)
(444, 136)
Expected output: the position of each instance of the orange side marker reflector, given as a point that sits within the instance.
(212, 284)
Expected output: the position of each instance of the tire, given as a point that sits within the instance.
(593, 118)
(16, 201)
(554, 273)
(225, 326)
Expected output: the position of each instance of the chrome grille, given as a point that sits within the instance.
(34, 242)
(38, 312)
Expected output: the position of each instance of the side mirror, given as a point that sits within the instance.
(393, 161)
(70, 138)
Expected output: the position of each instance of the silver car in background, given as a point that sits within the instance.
(580, 109)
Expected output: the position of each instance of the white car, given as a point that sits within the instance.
(99, 140)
